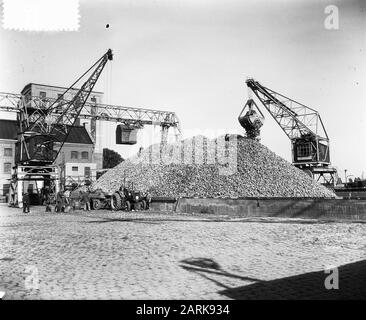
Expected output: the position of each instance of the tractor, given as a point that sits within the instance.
(128, 199)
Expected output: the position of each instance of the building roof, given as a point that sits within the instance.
(51, 86)
(8, 129)
(78, 134)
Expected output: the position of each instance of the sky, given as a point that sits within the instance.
(193, 57)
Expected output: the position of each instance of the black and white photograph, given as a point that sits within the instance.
(182, 150)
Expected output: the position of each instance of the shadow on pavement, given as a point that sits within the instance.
(205, 266)
(352, 285)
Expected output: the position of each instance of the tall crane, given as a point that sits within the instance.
(302, 125)
(45, 123)
(41, 128)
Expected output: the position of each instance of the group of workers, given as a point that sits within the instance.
(64, 201)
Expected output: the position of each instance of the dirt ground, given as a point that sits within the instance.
(151, 255)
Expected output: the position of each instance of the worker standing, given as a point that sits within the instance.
(46, 194)
(48, 205)
(86, 201)
(60, 201)
(148, 200)
(67, 196)
(26, 203)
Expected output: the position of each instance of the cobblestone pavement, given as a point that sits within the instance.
(151, 255)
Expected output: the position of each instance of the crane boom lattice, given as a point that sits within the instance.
(303, 126)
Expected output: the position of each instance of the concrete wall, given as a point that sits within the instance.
(333, 209)
(163, 206)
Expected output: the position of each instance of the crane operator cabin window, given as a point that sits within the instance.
(303, 150)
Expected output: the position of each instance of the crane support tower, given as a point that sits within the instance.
(305, 129)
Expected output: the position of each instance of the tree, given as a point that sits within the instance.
(111, 158)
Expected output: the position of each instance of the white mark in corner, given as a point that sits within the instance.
(332, 20)
(332, 281)
(2, 293)
(41, 15)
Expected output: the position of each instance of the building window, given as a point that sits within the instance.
(93, 99)
(74, 154)
(75, 169)
(42, 94)
(59, 103)
(7, 167)
(6, 189)
(87, 172)
(85, 155)
(8, 152)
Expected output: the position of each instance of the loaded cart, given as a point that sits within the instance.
(100, 200)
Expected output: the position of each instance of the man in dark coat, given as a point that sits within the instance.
(60, 201)
(85, 199)
(26, 203)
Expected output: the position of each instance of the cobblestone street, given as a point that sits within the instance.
(150, 255)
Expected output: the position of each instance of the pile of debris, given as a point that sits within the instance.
(228, 166)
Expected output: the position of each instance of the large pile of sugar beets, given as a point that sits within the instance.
(228, 166)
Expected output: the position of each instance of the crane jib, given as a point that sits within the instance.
(303, 126)
(46, 124)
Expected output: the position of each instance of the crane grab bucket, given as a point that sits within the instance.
(251, 119)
